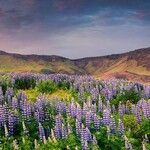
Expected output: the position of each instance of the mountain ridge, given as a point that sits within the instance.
(129, 65)
(147, 49)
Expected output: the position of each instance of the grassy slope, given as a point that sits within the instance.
(132, 65)
(11, 64)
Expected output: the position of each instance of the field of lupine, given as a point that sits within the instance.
(98, 115)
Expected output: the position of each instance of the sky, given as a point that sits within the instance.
(74, 28)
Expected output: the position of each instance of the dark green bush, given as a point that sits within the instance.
(25, 83)
(5, 82)
(64, 85)
(113, 143)
(47, 86)
(143, 129)
(131, 96)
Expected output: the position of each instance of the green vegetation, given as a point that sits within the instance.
(130, 122)
(125, 96)
(46, 86)
(61, 114)
(5, 82)
(25, 83)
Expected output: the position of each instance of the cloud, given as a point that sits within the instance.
(54, 13)
(63, 5)
(69, 27)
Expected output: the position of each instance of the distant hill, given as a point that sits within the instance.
(134, 65)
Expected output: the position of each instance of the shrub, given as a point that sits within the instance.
(143, 129)
(64, 85)
(25, 83)
(46, 86)
(130, 122)
(140, 132)
(131, 96)
(5, 82)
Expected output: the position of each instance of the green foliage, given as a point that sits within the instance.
(26, 143)
(113, 143)
(143, 129)
(5, 82)
(32, 94)
(145, 126)
(130, 122)
(32, 127)
(6, 144)
(72, 141)
(131, 96)
(25, 83)
(46, 86)
(63, 85)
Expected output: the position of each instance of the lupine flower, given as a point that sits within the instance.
(112, 125)
(88, 119)
(121, 110)
(58, 126)
(100, 105)
(121, 127)
(78, 112)
(85, 146)
(84, 115)
(1, 96)
(78, 127)
(68, 148)
(72, 110)
(85, 109)
(82, 135)
(6, 130)
(128, 145)
(11, 124)
(24, 128)
(96, 122)
(94, 141)
(44, 140)
(15, 145)
(146, 138)
(63, 131)
(37, 116)
(6, 112)
(53, 136)
(41, 132)
(14, 103)
(143, 146)
(87, 135)
(138, 113)
(93, 110)
(23, 140)
(2, 115)
(69, 128)
(106, 117)
(145, 108)
(36, 145)
(108, 132)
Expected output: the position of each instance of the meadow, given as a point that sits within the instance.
(73, 112)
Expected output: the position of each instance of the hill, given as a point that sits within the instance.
(134, 65)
